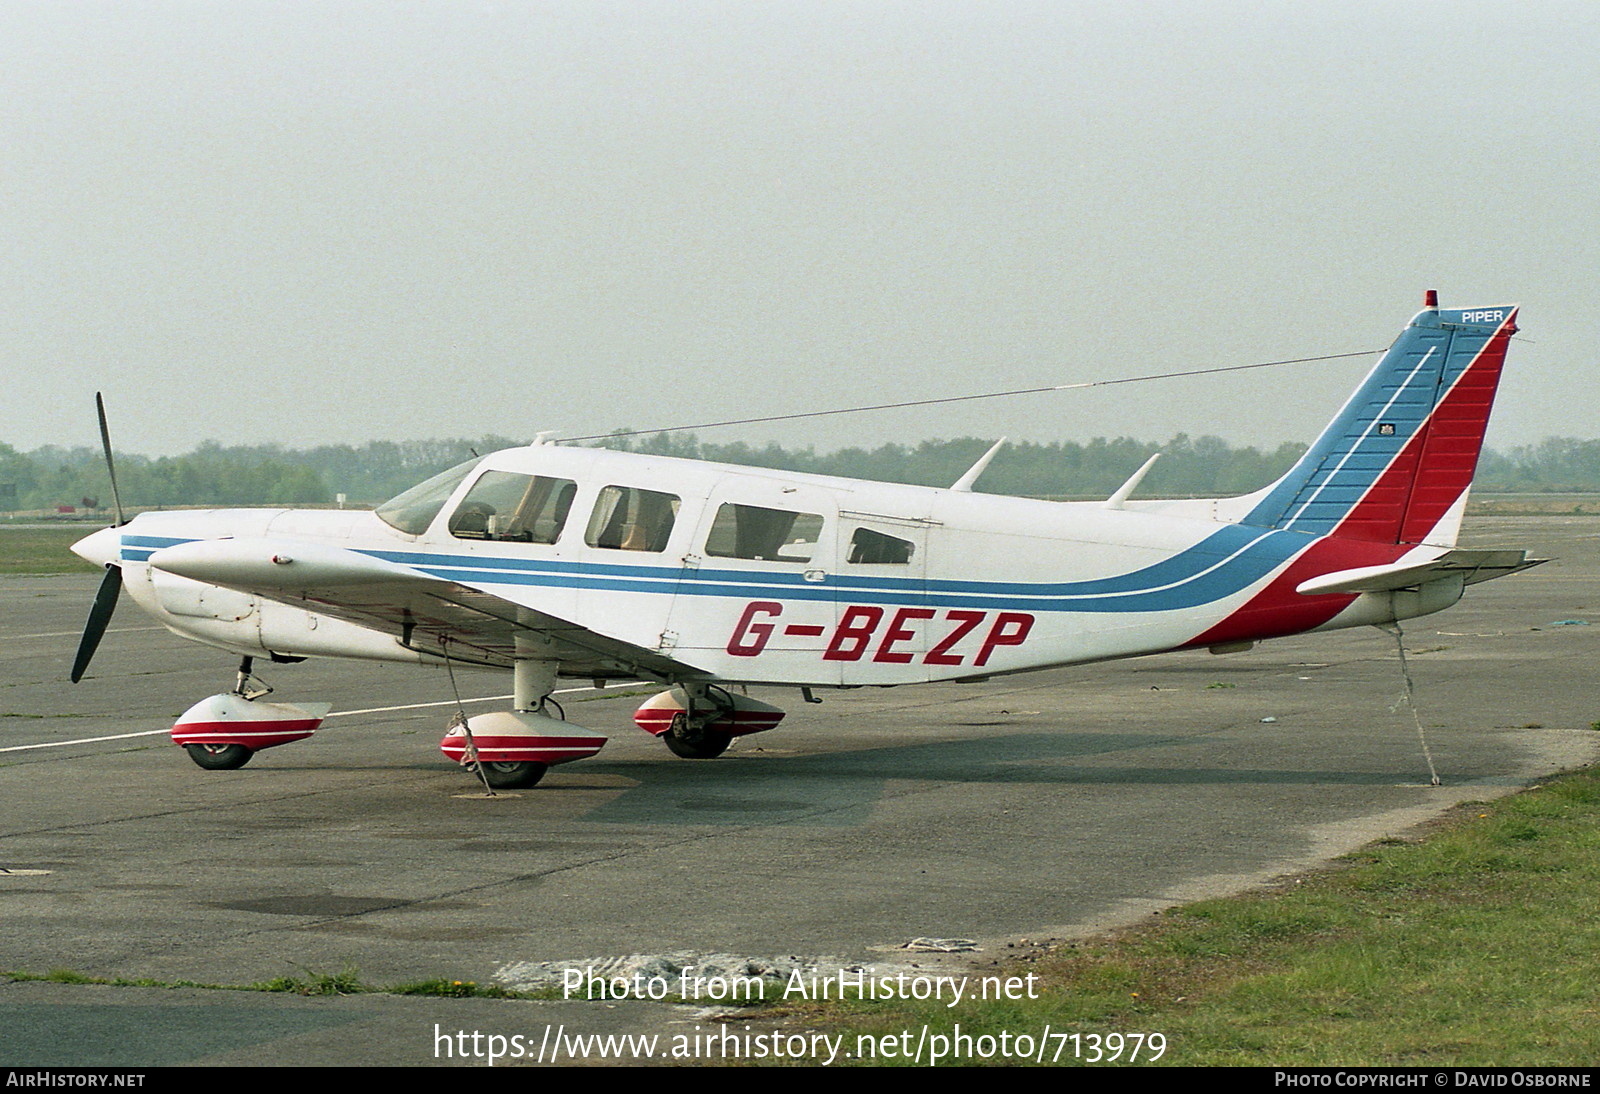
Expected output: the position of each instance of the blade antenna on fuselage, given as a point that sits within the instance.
(965, 483)
(1116, 500)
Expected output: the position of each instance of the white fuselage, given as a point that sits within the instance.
(871, 583)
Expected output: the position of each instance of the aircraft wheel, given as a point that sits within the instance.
(508, 775)
(707, 744)
(219, 757)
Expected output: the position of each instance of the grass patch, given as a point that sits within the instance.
(43, 550)
(456, 989)
(1475, 946)
(347, 981)
(72, 976)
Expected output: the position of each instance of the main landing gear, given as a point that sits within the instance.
(698, 721)
(695, 739)
(219, 757)
(513, 774)
(512, 749)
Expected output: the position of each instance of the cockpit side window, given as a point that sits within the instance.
(513, 508)
(626, 518)
(412, 511)
(867, 546)
(771, 535)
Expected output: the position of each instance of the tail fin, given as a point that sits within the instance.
(1395, 464)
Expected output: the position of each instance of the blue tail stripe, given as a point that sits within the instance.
(1390, 408)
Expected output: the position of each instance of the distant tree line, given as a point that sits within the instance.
(1195, 466)
(233, 475)
(1554, 465)
(214, 474)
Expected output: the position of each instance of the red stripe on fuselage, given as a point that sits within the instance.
(1425, 478)
(1278, 610)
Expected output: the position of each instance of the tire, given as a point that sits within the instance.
(507, 775)
(708, 744)
(219, 757)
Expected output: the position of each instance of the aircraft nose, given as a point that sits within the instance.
(102, 548)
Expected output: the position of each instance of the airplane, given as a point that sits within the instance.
(557, 561)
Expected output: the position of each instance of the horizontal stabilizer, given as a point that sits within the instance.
(1473, 566)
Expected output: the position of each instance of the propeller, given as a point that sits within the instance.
(105, 597)
(111, 467)
(105, 602)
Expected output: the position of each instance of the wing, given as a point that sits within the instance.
(424, 613)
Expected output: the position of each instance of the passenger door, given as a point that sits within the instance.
(756, 596)
(884, 623)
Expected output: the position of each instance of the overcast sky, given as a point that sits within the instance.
(344, 221)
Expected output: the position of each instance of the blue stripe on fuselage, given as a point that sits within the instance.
(1221, 565)
(1224, 563)
(140, 548)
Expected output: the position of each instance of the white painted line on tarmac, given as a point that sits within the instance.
(85, 741)
(441, 703)
(483, 699)
(74, 634)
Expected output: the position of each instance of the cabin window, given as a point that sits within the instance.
(412, 511)
(874, 547)
(771, 535)
(512, 508)
(626, 518)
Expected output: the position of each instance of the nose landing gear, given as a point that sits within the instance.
(222, 732)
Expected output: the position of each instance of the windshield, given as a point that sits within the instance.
(412, 511)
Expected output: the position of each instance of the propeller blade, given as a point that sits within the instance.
(105, 602)
(105, 444)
